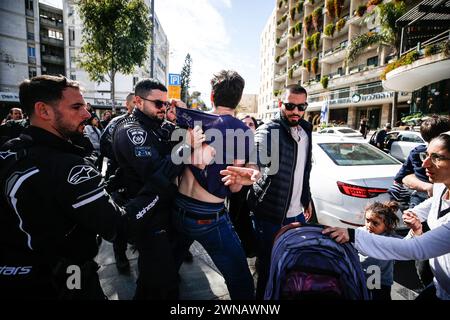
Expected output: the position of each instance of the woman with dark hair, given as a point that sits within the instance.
(250, 122)
(434, 244)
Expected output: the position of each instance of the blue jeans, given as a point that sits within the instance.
(266, 232)
(218, 238)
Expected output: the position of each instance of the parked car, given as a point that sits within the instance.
(343, 132)
(400, 143)
(346, 175)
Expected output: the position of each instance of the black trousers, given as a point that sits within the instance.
(158, 277)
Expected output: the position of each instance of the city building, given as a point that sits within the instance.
(424, 64)
(99, 94)
(267, 106)
(31, 43)
(311, 46)
(248, 105)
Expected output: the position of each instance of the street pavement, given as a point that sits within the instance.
(200, 279)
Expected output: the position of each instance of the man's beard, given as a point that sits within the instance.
(291, 123)
(63, 129)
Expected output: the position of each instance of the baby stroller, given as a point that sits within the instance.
(307, 265)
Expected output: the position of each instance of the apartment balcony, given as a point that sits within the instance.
(283, 40)
(52, 41)
(335, 54)
(420, 73)
(283, 58)
(356, 74)
(284, 7)
(51, 23)
(52, 59)
(281, 76)
(355, 19)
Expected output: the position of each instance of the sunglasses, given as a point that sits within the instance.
(291, 106)
(158, 103)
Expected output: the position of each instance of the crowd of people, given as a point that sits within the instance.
(56, 204)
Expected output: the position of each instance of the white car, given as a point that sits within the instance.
(399, 143)
(343, 132)
(346, 175)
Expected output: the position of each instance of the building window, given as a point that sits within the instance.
(55, 34)
(31, 72)
(73, 77)
(135, 80)
(32, 52)
(372, 61)
(71, 37)
(29, 5)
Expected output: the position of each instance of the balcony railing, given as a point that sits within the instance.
(52, 41)
(53, 59)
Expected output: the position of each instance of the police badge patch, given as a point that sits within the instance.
(137, 136)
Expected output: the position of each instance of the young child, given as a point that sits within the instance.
(380, 218)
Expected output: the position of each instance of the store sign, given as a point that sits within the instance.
(356, 97)
(9, 96)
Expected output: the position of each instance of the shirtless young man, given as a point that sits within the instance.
(199, 213)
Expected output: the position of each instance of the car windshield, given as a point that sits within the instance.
(347, 131)
(355, 154)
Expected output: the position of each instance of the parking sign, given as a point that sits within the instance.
(174, 79)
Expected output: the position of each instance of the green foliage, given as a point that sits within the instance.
(278, 40)
(374, 2)
(292, 13)
(340, 24)
(315, 65)
(308, 23)
(186, 78)
(361, 42)
(324, 81)
(307, 64)
(116, 37)
(317, 18)
(298, 27)
(316, 40)
(361, 10)
(276, 93)
(291, 52)
(290, 73)
(405, 60)
(300, 6)
(277, 59)
(338, 6)
(329, 29)
(309, 43)
(331, 13)
(431, 49)
(445, 47)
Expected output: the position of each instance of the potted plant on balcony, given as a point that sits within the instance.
(308, 23)
(329, 29)
(315, 65)
(307, 64)
(361, 10)
(329, 5)
(324, 81)
(300, 6)
(291, 52)
(298, 27)
(317, 18)
(316, 40)
(292, 13)
(309, 43)
(338, 6)
(340, 24)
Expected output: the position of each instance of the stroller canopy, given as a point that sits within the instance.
(306, 264)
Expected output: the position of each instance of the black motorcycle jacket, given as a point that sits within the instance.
(53, 202)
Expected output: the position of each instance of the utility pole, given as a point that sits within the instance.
(152, 31)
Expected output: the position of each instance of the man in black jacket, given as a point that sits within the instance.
(282, 195)
(143, 151)
(53, 202)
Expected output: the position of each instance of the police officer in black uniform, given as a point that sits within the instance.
(53, 202)
(120, 245)
(143, 150)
